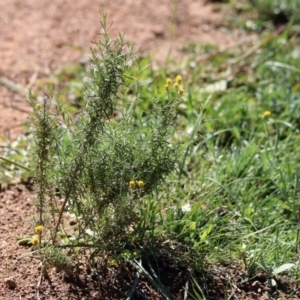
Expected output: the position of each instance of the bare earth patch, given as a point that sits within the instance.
(36, 37)
(20, 265)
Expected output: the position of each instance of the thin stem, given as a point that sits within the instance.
(14, 163)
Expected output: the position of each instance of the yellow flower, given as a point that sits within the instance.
(131, 184)
(38, 229)
(141, 183)
(38, 106)
(176, 85)
(267, 114)
(168, 82)
(167, 87)
(181, 91)
(35, 240)
(178, 79)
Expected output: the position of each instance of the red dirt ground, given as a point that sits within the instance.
(36, 37)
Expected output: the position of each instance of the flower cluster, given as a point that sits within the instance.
(176, 85)
(37, 238)
(139, 183)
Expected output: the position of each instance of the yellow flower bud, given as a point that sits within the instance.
(38, 106)
(178, 79)
(267, 114)
(35, 240)
(176, 86)
(131, 184)
(38, 229)
(141, 183)
(168, 82)
(181, 91)
(167, 87)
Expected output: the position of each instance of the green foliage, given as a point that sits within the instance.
(14, 165)
(277, 11)
(55, 257)
(241, 179)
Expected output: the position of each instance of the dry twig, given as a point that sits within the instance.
(12, 86)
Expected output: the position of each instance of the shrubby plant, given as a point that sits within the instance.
(100, 163)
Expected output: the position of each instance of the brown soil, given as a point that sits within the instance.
(20, 265)
(36, 37)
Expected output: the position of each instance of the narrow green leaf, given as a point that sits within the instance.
(282, 268)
